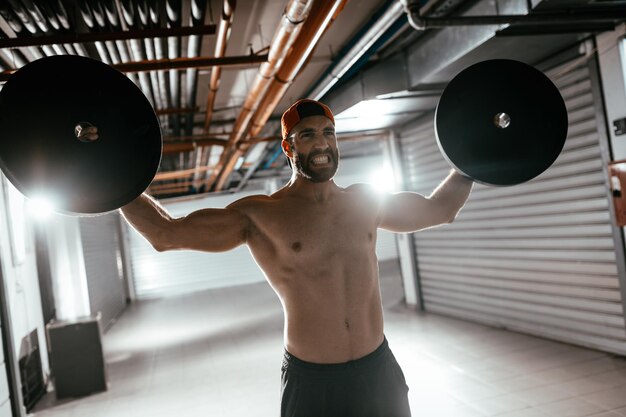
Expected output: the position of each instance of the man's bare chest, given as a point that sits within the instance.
(318, 231)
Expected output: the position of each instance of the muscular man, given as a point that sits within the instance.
(315, 242)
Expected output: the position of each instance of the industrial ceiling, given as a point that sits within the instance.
(220, 72)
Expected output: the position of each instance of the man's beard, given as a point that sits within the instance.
(307, 170)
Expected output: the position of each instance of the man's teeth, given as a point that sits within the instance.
(321, 159)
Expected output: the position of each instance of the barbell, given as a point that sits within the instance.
(499, 122)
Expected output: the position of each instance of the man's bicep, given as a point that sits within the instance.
(211, 230)
(409, 212)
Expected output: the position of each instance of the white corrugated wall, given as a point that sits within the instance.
(538, 257)
(100, 237)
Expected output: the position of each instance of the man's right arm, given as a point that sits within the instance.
(210, 230)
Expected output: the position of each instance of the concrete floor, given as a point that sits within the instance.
(218, 353)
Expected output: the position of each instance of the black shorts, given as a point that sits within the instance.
(372, 386)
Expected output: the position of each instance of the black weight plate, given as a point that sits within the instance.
(41, 104)
(469, 138)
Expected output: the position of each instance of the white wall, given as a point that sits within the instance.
(19, 268)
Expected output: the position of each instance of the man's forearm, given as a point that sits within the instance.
(147, 217)
(453, 192)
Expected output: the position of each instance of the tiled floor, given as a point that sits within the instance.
(218, 353)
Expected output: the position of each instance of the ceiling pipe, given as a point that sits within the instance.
(223, 34)
(548, 19)
(169, 175)
(88, 17)
(143, 67)
(290, 25)
(321, 17)
(346, 61)
(188, 146)
(115, 23)
(57, 7)
(24, 17)
(173, 11)
(101, 21)
(159, 51)
(198, 12)
(128, 13)
(294, 63)
(45, 10)
(148, 46)
(52, 23)
(14, 58)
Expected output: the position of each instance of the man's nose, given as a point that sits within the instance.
(321, 142)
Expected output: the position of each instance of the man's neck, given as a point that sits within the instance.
(319, 192)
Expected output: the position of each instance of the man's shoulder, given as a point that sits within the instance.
(251, 202)
(366, 191)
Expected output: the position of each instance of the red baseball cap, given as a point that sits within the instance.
(299, 110)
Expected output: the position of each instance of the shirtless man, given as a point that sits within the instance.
(315, 242)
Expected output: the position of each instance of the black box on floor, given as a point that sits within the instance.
(76, 357)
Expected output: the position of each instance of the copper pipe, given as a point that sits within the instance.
(223, 34)
(294, 63)
(171, 175)
(321, 17)
(177, 147)
(177, 190)
(195, 137)
(168, 186)
(295, 14)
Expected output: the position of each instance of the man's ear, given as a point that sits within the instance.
(287, 149)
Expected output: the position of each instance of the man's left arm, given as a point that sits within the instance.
(409, 212)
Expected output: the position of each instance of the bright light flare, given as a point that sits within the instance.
(383, 180)
(40, 207)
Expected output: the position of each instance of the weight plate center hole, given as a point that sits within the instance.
(86, 132)
(502, 120)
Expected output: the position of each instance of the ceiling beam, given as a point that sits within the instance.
(106, 36)
(176, 63)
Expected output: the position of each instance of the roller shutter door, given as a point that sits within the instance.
(538, 257)
(100, 237)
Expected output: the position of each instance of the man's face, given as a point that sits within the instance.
(315, 150)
